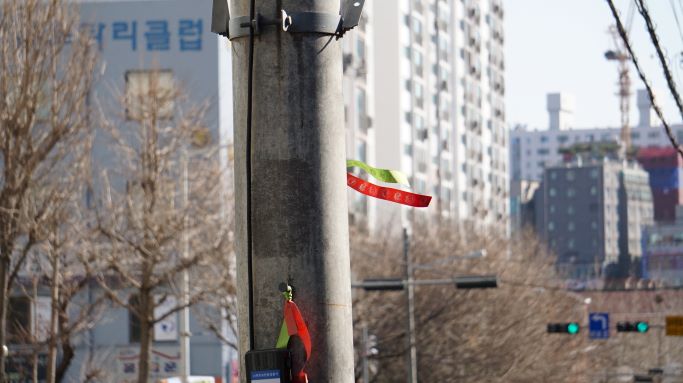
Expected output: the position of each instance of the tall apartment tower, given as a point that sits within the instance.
(439, 110)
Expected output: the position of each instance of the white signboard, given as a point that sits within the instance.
(163, 363)
(167, 329)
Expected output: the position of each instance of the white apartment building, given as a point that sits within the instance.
(533, 150)
(439, 109)
(358, 111)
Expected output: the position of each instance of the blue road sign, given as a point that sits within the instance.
(598, 325)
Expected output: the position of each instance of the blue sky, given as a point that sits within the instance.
(559, 45)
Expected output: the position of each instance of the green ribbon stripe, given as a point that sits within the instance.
(384, 175)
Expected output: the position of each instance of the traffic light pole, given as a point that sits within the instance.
(366, 340)
(410, 297)
(298, 215)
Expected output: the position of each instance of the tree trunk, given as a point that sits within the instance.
(67, 348)
(53, 333)
(4, 270)
(146, 310)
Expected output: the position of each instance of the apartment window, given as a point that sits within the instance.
(542, 151)
(19, 319)
(570, 226)
(553, 175)
(570, 210)
(446, 195)
(417, 27)
(635, 135)
(571, 192)
(594, 190)
(420, 186)
(551, 226)
(552, 208)
(360, 49)
(653, 135)
(149, 93)
(544, 139)
(419, 122)
(594, 173)
(133, 321)
(361, 150)
(417, 59)
(594, 225)
(419, 95)
(562, 139)
(408, 149)
(361, 109)
(570, 175)
(552, 192)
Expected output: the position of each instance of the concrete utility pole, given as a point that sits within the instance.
(299, 214)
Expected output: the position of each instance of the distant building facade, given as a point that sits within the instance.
(591, 215)
(532, 150)
(663, 252)
(171, 41)
(665, 166)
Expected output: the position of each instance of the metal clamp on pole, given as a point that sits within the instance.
(311, 22)
(295, 22)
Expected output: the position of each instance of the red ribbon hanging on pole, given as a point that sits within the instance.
(389, 194)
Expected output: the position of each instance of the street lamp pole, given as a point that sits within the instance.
(185, 283)
(410, 296)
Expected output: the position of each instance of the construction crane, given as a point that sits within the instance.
(621, 56)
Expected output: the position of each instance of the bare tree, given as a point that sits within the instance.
(46, 71)
(495, 335)
(163, 209)
(74, 308)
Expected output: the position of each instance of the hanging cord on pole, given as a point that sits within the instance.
(250, 272)
(667, 73)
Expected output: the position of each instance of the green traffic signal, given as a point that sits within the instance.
(573, 328)
(640, 327)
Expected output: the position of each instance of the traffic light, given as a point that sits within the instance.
(566, 328)
(633, 327)
(378, 284)
(476, 282)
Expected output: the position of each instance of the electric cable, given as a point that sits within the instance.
(250, 276)
(642, 9)
(678, 24)
(641, 74)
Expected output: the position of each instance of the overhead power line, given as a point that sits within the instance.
(678, 24)
(641, 74)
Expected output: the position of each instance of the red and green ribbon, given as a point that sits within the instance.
(293, 324)
(384, 175)
(389, 194)
(386, 193)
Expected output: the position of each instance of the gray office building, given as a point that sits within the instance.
(591, 215)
